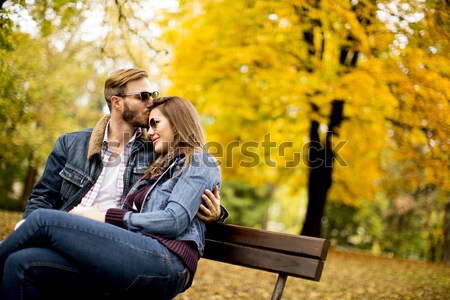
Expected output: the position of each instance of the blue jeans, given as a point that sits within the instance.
(56, 254)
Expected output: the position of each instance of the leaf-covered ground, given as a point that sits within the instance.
(347, 275)
(7, 222)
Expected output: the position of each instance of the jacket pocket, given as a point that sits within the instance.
(140, 169)
(136, 173)
(73, 180)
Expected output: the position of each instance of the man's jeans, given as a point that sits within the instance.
(56, 254)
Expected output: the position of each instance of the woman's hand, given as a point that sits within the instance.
(210, 211)
(88, 212)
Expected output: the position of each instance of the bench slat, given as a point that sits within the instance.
(261, 259)
(282, 242)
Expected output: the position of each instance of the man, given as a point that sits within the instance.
(94, 169)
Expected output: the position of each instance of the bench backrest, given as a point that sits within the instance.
(289, 254)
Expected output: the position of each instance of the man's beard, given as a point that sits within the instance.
(133, 118)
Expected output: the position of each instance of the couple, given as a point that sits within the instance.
(137, 208)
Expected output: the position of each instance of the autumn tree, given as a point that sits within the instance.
(325, 31)
(38, 99)
(419, 79)
(277, 68)
(268, 74)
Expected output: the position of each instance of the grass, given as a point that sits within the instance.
(346, 276)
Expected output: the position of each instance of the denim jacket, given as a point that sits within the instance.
(172, 202)
(74, 165)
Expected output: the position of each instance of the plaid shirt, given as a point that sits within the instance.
(122, 159)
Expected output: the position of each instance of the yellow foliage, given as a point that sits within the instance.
(252, 74)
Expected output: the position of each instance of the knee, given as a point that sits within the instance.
(34, 271)
(36, 262)
(43, 214)
(19, 261)
(38, 213)
(14, 271)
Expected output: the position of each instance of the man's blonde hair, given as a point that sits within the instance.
(116, 82)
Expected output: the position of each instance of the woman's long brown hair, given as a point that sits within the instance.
(189, 135)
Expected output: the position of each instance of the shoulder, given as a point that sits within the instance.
(200, 159)
(75, 137)
(204, 163)
(205, 159)
(87, 132)
(77, 133)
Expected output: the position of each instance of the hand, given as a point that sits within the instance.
(88, 212)
(210, 211)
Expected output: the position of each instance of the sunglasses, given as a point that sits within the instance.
(153, 123)
(143, 96)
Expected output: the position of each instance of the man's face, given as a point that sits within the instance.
(135, 111)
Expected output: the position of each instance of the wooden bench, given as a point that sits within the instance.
(285, 254)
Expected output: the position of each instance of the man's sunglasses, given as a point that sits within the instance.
(143, 96)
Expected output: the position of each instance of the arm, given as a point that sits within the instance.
(182, 194)
(46, 193)
(211, 212)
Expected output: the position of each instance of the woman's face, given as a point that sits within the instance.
(160, 131)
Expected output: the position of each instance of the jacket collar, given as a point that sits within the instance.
(96, 140)
(98, 133)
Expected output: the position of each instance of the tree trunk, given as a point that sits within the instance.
(446, 256)
(320, 160)
(30, 181)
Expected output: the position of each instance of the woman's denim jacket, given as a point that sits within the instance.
(172, 202)
(75, 164)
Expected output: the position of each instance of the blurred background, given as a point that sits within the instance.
(329, 118)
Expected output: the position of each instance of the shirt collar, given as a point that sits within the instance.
(137, 134)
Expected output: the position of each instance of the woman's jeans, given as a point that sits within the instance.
(56, 255)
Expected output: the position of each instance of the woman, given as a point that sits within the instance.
(153, 249)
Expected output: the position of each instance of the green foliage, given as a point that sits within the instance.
(404, 227)
(10, 174)
(5, 32)
(39, 89)
(246, 204)
(288, 209)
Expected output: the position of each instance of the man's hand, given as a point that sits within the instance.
(88, 212)
(210, 211)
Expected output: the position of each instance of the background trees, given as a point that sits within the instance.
(274, 69)
(54, 58)
(43, 79)
(265, 76)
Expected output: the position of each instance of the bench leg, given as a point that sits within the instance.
(279, 287)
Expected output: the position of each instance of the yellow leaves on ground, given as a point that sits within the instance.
(346, 275)
(8, 220)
